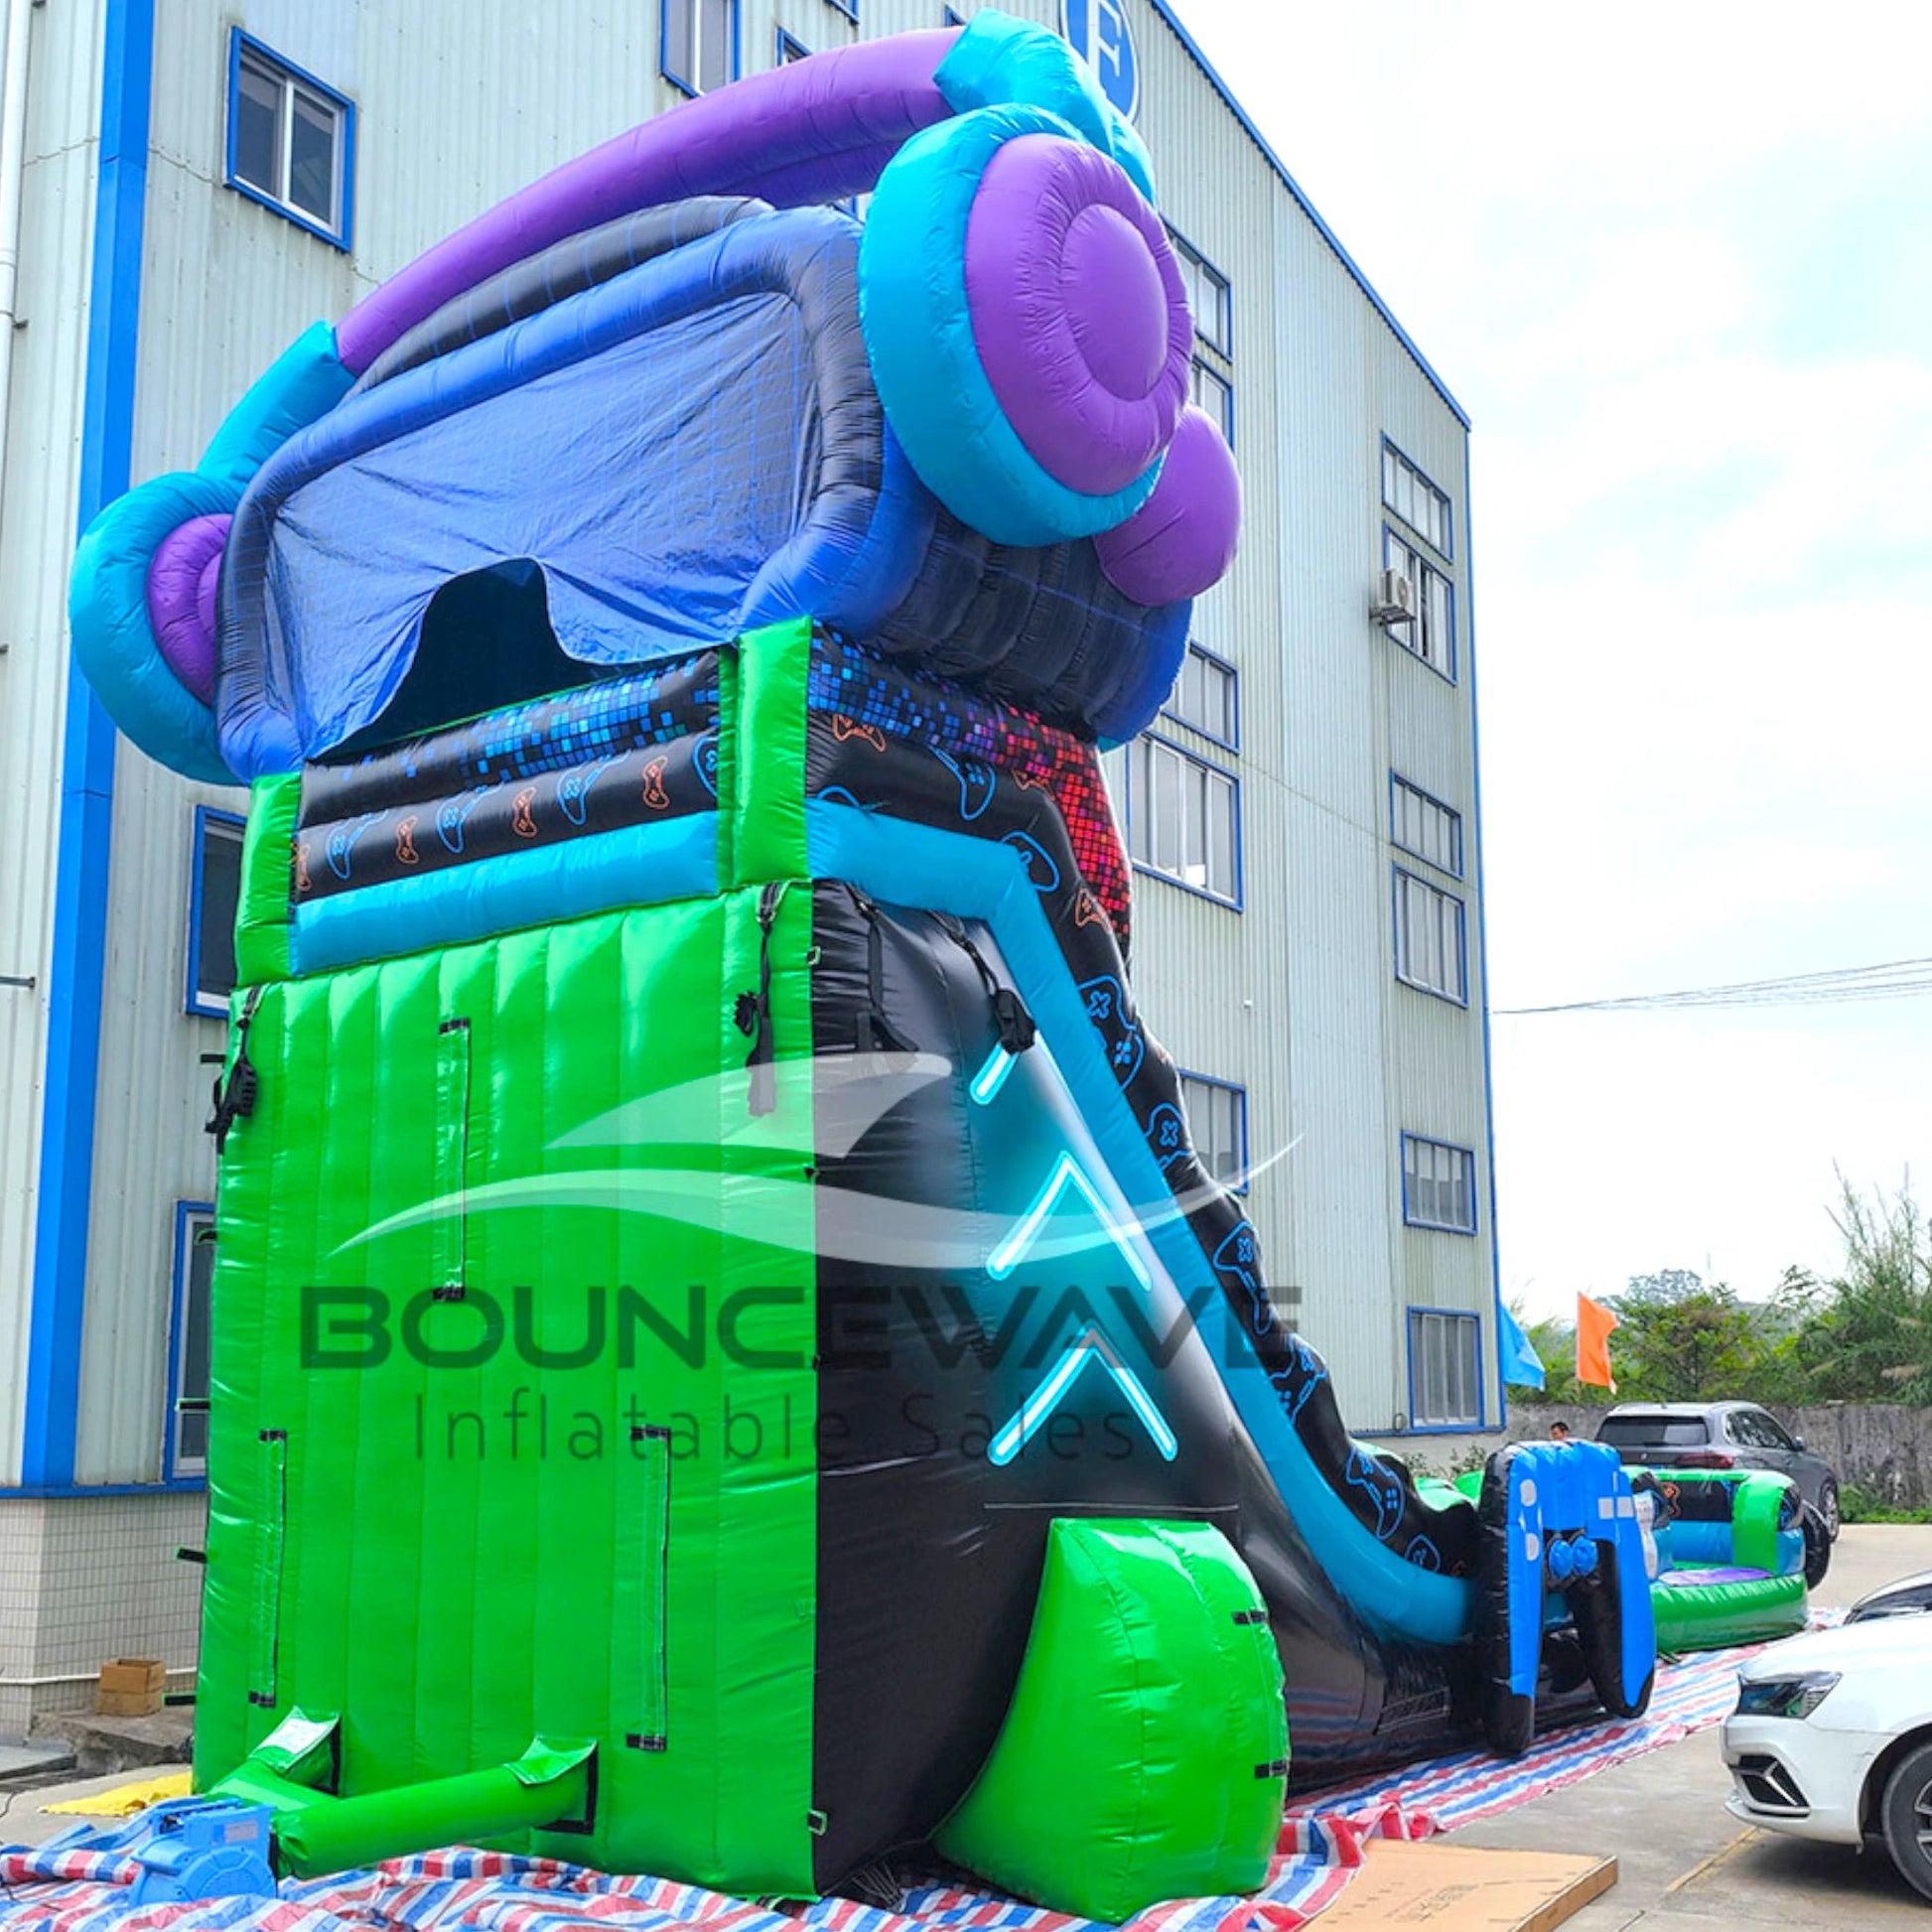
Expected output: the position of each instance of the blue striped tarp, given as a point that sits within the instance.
(465, 1890)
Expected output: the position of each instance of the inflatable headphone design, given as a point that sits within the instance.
(1023, 313)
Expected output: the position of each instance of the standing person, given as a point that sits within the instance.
(1559, 1432)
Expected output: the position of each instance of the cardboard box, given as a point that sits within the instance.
(130, 1687)
(1445, 1887)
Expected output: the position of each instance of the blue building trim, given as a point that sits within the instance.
(1410, 1220)
(1195, 648)
(1398, 784)
(42, 1491)
(185, 1212)
(1483, 931)
(1409, 1351)
(1390, 447)
(343, 238)
(1392, 539)
(1308, 207)
(1397, 873)
(1239, 902)
(688, 86)
(1240, 1092)
(193, 999)
(77, 981)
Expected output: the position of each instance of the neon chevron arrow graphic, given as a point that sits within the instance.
(1089, 1345)
(1066, 1175)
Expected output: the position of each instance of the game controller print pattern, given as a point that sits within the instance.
(973, 738)
(642, 748)
(861, 750)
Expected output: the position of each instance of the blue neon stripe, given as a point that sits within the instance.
(988, 1081)
(78, 974)
(638, 864)
(1034, 1412)
(896, 862)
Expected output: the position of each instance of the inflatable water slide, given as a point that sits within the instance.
(725, 1362)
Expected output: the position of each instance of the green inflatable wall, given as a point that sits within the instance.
(482, 1534)
(1145, 1755)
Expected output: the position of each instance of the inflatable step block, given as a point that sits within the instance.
(1558, 1520)
(1145, 1754)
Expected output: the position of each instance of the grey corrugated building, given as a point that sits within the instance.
(188, 185)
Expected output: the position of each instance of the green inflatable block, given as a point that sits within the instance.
(1693, 1614)
(1145, 1754)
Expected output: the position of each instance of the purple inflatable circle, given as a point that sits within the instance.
(1182, 539)
(181, 599)
(1110, 286)
(1078, 312)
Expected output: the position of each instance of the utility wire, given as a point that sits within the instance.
(1897, 979)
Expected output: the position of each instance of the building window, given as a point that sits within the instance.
(850, 8)
(700, 44)
(185, 1442)
(1431, 633)
(1417, 500)
(1444, 1370)
(291, 140)
(1425, 826)
(951, 18)
(1184, 819)
(790, 49)
(1428, 938)
(214, 893)
(1207, 697)
(1215, 394)
(1438, 1186)
(1217, 1124)
(1207, 295)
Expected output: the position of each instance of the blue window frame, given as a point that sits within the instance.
(850, 8)
(1431, 938)
(1438, 1186)
(291, 143)
(214, 896)
(1431, 633)
(1217, 1125)
(1184, 819)
(950, 17)
(1444, 1370)
(1207, 697)
(1422, 504)
(698, 43)
(184, 1429)
(1421, 825)
(1215, 394)
(791, 49)
(1210, 299)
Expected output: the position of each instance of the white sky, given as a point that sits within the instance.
(1676, 262)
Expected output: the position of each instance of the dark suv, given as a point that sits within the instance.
(1721, 1436)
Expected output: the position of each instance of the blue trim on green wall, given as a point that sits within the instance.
(76, 980)
(1327, 235)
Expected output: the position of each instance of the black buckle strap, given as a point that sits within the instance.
(873, 1032)
(236, 1090)
(1012, 1021)
(753, 1012)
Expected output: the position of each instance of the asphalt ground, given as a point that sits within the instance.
(1685, 1864)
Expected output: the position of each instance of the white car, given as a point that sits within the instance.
(1831, 1739)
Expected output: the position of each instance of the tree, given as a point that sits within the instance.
(1866, 1334)
(1680, 1340)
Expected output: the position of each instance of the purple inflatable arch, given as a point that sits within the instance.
(812, 131)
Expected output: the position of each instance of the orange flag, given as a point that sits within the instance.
(1593, 1325)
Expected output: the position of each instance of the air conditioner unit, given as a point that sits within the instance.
(1395, 598)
